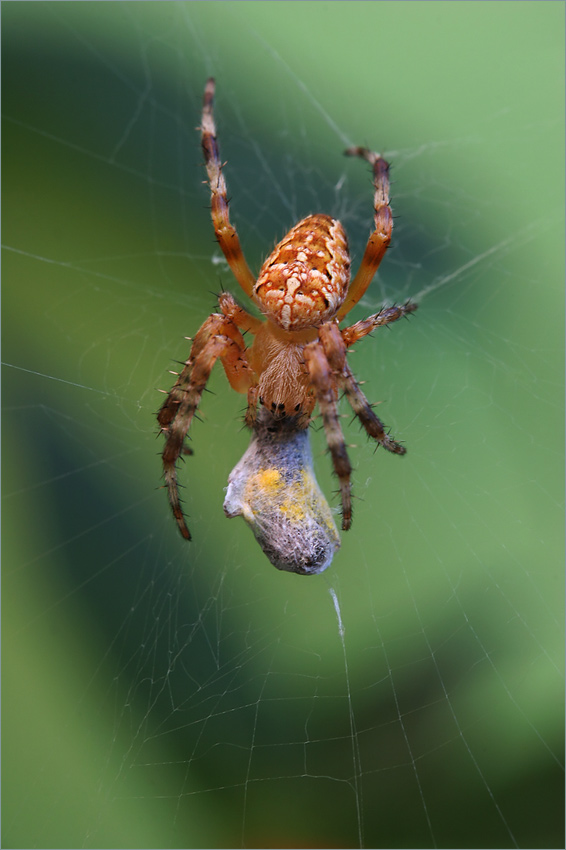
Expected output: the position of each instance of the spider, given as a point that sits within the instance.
(297, 358)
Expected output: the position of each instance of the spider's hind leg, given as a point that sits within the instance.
(379, 240)
(225, 231)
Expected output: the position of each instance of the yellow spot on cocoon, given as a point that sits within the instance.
(263, 488)
(268, 478)
(268, 490)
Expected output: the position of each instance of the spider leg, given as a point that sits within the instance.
(242, 319)
(225, 232)
(251, 412)
(322, 379)
(237, 314)
(379, 240)
(385, 316)
(217, 338)
(335, 350)
(364, 411)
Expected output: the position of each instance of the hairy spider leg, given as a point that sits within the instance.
(322, 380)
(238, 315)
(217, 338)
(247, 324)
(379, 240)
(335, 351)
(386, 315)
(225, 232)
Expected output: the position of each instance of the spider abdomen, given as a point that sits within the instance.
(304, 280)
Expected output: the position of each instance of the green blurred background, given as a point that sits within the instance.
(164, 695)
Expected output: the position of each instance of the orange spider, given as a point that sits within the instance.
(298, 355)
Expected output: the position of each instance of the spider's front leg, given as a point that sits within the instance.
(217, 338)
(337, 342)
(322, 379)
(332, 340)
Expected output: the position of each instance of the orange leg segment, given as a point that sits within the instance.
(379, 240)
(225, 232)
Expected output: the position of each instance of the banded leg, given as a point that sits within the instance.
(237, 314)
(364, 411)
(378, 242)
(217, 337)
(248, 324)
(225, 232)
(335, 350)
(325, 389)
(385, 316)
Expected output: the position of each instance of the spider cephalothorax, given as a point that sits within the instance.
(297, 358)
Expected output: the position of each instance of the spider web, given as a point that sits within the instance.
(159, 694)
